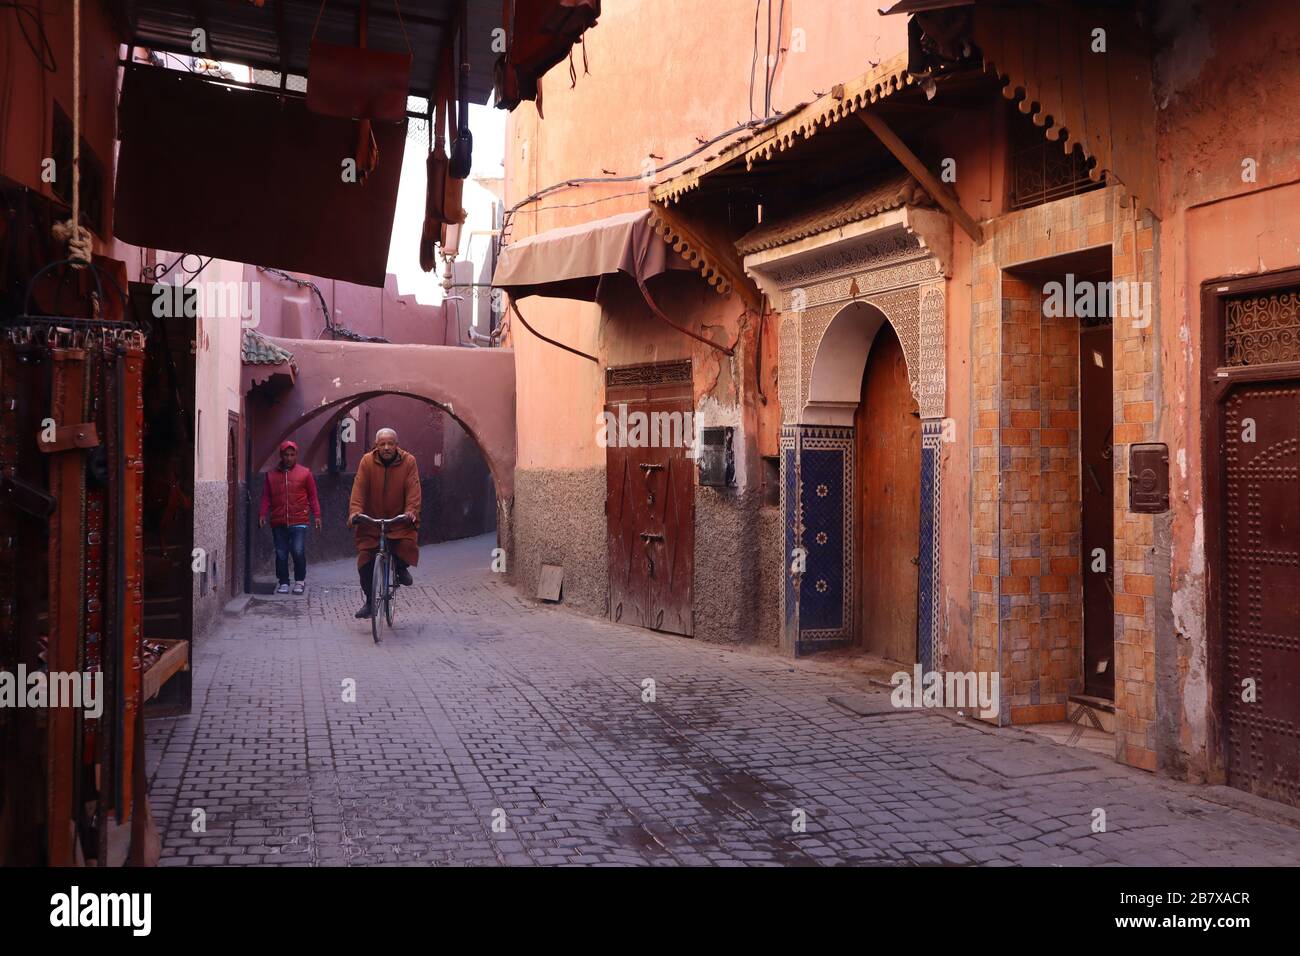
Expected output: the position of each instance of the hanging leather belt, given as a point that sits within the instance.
(130, 571)
(11, 766)
(67, 577)
(92, 661)
(23, 527)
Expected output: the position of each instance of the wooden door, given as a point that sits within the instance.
(168, 492)
(1098, 502)
(650, 501)
(888, 494)
(232, 497)
(1260, 562)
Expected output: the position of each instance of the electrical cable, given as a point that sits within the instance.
(771, 80)
(585, 180)
(753, 60)
(37, 16)
(767, 65)
(336, 331)
(508, 213)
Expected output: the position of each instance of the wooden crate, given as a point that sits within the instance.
(176, 658)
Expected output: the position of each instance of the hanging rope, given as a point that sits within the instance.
(81, 244)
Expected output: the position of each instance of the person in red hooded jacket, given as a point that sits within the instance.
(289, 497)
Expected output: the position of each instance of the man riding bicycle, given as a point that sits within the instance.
(387, 485)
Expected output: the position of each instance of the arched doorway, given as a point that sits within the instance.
(838, 296)
(887, 493)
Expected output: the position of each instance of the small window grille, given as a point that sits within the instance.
(1262, 328)
(1041, 170)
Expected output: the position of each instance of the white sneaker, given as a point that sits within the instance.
(282, 589)
(299, 587)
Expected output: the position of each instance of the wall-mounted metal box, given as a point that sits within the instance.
(717, 459)
(1148, 479)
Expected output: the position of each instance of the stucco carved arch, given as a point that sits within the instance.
(835, 379)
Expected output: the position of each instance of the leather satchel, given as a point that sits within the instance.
(357, 83)
(462, 142)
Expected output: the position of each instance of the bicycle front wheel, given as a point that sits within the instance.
(378, 595)
(390, 600)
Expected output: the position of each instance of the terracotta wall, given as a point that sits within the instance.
(1224, 95)
(28, 94)
(631, 112)
(629, 107)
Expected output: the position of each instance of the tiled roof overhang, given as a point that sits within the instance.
(257, 349)
(801, 123)
(1044, 56)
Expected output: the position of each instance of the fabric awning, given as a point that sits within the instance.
(921, 6)
(568, 263)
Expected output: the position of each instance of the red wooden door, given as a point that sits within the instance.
(650, 507)
(888, 432)
(1260, 432)
(625, 515)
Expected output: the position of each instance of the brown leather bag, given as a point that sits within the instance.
(442, 203)
(357, 83)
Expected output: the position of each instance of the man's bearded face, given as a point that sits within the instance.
(386, 445)
(289, 457)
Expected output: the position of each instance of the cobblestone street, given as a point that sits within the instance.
(486, 730)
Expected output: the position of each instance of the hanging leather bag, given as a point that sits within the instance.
(354, 82)
(462, 143)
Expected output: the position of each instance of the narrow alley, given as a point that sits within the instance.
(486, 730)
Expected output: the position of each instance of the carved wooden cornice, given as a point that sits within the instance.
(712, 255)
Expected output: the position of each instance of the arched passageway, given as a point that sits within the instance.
(473, 387)
(476, 387)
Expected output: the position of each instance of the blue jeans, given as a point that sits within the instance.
(290, 538)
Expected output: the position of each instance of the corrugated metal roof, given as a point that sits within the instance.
(242, 33)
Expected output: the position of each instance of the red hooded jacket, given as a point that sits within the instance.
(289, 494)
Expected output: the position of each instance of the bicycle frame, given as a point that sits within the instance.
(383, 571)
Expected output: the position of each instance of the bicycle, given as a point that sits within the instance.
(383, 584)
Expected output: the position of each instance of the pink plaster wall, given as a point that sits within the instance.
(289, 311)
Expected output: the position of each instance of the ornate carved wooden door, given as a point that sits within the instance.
(1252, 412)
(1261, 587)
(888, 471)
(650, 496)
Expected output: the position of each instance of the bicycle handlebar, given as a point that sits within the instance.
(379, 521)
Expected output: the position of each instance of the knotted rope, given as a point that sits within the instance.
(81, 243)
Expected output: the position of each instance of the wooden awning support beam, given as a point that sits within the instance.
(719, 255)
(889, 139)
